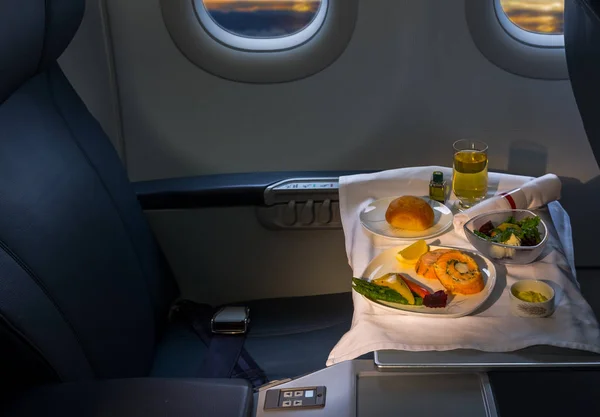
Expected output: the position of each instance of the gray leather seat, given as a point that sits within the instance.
(289, 337)
(85, 291)
(147, 397)
(294, 336)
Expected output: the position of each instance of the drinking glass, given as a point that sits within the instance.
(470, 172)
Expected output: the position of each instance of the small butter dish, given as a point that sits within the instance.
(525, 300)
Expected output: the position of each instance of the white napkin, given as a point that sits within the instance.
(491, 328)
(531, 195)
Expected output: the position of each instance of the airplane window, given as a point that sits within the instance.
(262, 25)
(263, 18)
(261, 41)
(538, 16)
(524, 37)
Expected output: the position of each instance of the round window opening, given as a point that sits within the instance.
(263, 19)
(536, 16)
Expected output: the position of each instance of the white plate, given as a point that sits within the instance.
(458, 305)
(373, 219)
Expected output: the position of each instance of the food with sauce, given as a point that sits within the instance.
(530, 296)
(424, 266)
(397, 288)
(459, 273)
(455, 270)
(410, 213)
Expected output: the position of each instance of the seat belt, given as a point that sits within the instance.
(223, 331)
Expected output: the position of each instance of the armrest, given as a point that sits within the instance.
(217, 190)
(143, 397)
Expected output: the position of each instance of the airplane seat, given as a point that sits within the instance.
(85, 290)
(582, 47)
(288, 337)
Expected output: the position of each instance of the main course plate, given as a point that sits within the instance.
(458, 305)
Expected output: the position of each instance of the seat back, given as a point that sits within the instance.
(84, 288)
(582, 46)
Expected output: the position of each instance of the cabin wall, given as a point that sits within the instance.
(410, 82)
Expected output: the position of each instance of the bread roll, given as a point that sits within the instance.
(410, 213)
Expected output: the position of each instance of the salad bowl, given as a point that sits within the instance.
(518, 248)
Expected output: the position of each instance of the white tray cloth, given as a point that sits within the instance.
(492, 328)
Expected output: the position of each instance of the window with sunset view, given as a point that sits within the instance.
(262, 18)
(537, 16)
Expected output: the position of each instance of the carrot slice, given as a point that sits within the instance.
(414, 287)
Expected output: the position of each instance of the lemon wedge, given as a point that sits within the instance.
(412, 253)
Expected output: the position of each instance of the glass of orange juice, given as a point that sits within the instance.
(470, 172)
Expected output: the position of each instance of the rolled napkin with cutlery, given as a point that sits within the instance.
(531, 195)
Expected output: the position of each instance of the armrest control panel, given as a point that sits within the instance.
(302, 189)
(293, 398)
(301, 203)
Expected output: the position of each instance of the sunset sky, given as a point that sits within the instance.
(263, 5)
(536, 15)
(544, 16)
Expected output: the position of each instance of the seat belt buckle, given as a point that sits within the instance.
(231, 320)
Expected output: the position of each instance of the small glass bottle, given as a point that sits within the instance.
(437, 187)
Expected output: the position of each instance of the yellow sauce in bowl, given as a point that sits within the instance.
(530, 296)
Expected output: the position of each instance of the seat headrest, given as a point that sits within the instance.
(33, 34)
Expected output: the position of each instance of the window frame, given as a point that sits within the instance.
(312, 53)
(540, 40)
(507, 51)
(246, 43)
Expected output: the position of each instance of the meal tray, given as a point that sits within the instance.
(538, 357)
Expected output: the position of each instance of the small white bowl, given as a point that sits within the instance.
(526, 309)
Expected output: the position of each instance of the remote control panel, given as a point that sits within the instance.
(294, 398)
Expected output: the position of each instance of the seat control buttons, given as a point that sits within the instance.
(295, 398)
